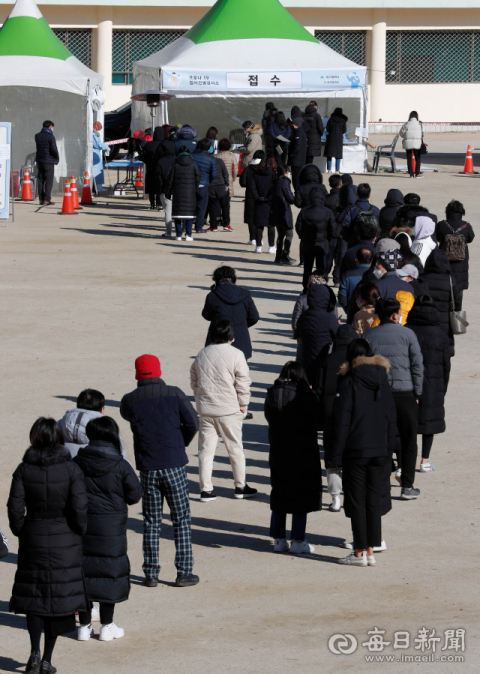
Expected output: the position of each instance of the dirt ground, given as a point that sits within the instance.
(82, 297)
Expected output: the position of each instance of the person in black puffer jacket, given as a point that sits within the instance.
(310, 176)
(424, 321)
(292, 413)
(249, 208)
(283, 219)
(232, 303)
(317, 327)
(262, 185)
(440, 281)
(363, 440)
(47, 510)
(393, 201)
(314, 132)
(149, 157)
(181, 187)
(336, 127)
(347, 198)
(47, 158)
(411, 209)
(455, 223)
(164, 160)
(219, 198)
(315, 227)
(112, 486)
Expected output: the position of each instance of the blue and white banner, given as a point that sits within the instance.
(5, 154)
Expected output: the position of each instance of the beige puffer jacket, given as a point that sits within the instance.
(220, 381)
(253, 143)
(231, 162)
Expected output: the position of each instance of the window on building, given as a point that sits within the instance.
(428, 56)
(134, 45)
(349, 43)
(79, 42)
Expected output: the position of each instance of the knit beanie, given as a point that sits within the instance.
(147, 366)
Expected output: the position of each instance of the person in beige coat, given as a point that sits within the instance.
(253, 141)
(221, 383)
(230, 160)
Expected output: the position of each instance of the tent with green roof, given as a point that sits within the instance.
(241, 54)
(40, 79)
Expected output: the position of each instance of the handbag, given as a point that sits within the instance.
(458, 319)
(423, 148)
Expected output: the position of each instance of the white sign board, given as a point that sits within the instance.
(262, 80)
(5, 139)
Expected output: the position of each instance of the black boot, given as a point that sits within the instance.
(47, 668)
(286, 260)
(33, 664)
(278, 257)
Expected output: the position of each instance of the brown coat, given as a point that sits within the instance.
(364, 319)
(231, 162)
(253, 142)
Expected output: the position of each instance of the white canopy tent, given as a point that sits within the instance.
(40, 79)
(224, 70)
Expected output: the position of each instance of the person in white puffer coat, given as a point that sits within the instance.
(221, 383)
(412, 134)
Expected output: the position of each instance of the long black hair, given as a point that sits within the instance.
(292, 373)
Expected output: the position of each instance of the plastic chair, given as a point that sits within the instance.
(387, 151)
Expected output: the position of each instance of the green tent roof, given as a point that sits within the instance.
(248, 19)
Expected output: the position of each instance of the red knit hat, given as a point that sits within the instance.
(147, 366)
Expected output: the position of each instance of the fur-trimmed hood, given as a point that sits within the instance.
(396, 230)
(257, 129)
(46, 457)
(365, 360)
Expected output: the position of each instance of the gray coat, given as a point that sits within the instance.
(400, 345)
(73, 426)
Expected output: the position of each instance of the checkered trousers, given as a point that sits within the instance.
(171, 484)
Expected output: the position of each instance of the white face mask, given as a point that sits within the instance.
(400, 320)
(378, 273)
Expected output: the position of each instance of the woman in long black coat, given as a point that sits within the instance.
(292, 413)
(249, 208)
(149, 157)
(336, 127)
(47, 510)
(454, 223)
(440, 281)
(112, 485)
(181, 187)
(424, 320)
(263, 185)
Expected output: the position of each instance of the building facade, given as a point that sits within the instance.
(422, 55)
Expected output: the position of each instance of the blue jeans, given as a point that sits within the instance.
(188, 224)
(337, 164)
(278, 524)
(203, 194)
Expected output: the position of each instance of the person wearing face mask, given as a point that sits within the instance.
(389, 284)
(400, 345)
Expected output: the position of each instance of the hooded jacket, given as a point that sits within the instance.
(249, 207)
(297, 150)
(411, 211)
(424, 321)
(112, 485)
(437, 274)
(388, 213)
(253, 142)
(336, 127)
(314, 131)
(282, 203)
(316, 224)
(47, 510)
(235, 304)
(310, 176)
(423, 243)
(74, 424)
(186, 136)
(262, 185)
(292, 413)
(364, 420)
(317, 327)
(460, 267)
(165, 160)
(149, 155)
(181, 186)
(402, 349)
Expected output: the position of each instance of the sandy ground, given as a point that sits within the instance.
(82, 297)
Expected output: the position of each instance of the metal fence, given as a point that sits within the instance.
(79, 42)
(349, 43)
(432, 56)
(134, 45)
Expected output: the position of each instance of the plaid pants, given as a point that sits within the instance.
(172, 484)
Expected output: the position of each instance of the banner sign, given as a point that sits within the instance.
(5, 153)
(259, 80)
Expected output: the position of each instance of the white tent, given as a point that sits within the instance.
(40, 79)
(241, 54)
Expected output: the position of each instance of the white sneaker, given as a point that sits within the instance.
(280, 545)
(335, 505)
(109, 632)
(398, 476)
(354, 561)
(426, 467)
(258, 249)
(301, 547)
(379, 548)
(84, 632)
(252, 243)
(189, 238)
(371, 560)
(272, 250)
(178, 238)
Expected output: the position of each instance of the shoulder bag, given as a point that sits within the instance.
(458, 319)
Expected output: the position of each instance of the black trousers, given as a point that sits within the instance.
(362, 484)
(309, 159)
(407, 422)
(259, 235)
(106, 614)
(296, 177)
(341, 249)
(219, 205)
(284, 240)
(416, 154)
(311, 255)
(45, 181)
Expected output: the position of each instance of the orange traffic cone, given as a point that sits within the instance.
(139, 178)
(414, 164)
(469, 170)
(67, 208)
(74, 191)
(27, 194)
(86, 191)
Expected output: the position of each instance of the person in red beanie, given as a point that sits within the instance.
(163, 423)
